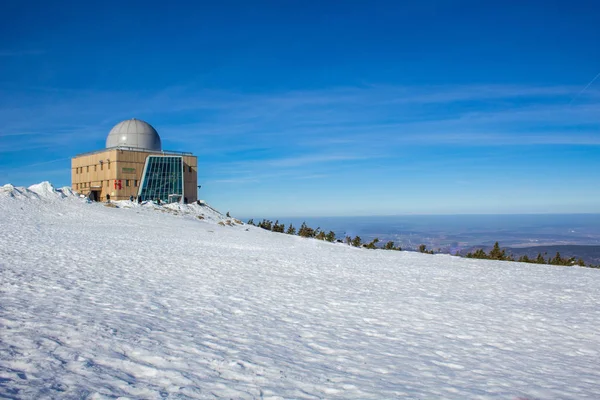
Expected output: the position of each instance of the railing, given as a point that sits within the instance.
(128, 148)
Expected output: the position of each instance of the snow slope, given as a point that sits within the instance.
(152, 302)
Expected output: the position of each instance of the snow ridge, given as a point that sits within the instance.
(46, 192)
(40, 190)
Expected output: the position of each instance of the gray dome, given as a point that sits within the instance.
(134, 133)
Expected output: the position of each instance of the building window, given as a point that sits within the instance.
(163, 179)
(101, 166)
(94, 167)
(108, 163)
(135, 182)
(127, 182)
(87, 169)
(190, 167)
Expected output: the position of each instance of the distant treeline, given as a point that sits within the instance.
(495, 254)
(318, 233)
(500, 254)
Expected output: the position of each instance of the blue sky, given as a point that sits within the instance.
(300, 108)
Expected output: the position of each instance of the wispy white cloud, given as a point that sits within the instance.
(304, 125)
(312, 159)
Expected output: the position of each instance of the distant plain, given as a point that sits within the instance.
(575, 234)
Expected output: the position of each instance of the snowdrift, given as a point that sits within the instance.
(41, 190)
(46, 191)
(147, 301)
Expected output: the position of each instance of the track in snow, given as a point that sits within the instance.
(99, 302)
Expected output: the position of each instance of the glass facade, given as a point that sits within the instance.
(162, 179)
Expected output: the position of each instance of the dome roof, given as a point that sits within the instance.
(134, 133)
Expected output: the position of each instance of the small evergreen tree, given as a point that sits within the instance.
(496, 253)
(228, 216)
(389, 246)
(305, 231)
(372, 245)
(423, 249)
(540, 259)
(250, 222)
(266, 224)
(479, 253)
(330, 237)
(291, 230)
(357, 241)
(302, 230)
(557, 260)
(277, 227)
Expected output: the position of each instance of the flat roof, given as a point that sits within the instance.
(126, 148)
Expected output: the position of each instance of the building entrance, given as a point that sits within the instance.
(95, 195)
(174, 198)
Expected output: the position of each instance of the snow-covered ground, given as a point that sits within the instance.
(152, 302)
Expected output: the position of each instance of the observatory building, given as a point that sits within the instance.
(134, 164)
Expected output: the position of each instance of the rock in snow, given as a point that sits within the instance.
(153, 302)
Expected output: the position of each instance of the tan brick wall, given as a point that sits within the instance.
(190, 179)
(99, 171)
(88, 173)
